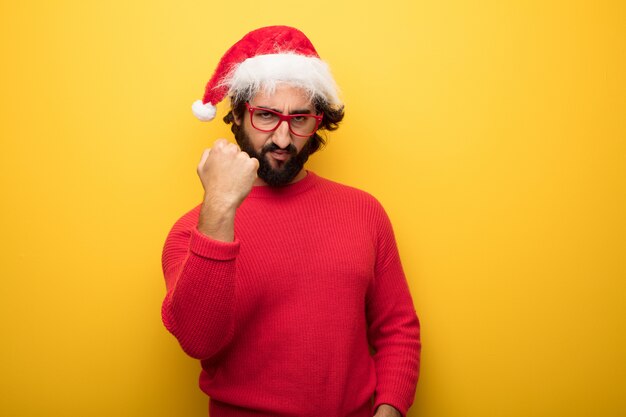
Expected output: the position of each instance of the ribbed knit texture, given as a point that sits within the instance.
(284, 317)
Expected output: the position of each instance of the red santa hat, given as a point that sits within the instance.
(262, 59)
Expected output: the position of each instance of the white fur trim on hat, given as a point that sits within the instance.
(266, 71)
(204, 112)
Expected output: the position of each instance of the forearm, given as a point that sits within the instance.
(217, 219)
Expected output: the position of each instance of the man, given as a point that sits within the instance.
(288, 287)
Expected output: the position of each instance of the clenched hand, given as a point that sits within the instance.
(227, 175)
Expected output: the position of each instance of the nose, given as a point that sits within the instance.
(282, 136)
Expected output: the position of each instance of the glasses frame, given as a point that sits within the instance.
(284, 118)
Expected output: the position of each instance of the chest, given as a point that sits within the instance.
(297, 257)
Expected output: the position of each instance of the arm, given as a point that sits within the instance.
(200, 251)
(200, 279)
(394, 330)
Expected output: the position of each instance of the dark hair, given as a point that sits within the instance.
(332, 117)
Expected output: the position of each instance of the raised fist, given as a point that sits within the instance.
(227, 174)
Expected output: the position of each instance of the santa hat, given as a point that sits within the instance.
(262, 59)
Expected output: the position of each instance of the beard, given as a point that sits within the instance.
(286, 171)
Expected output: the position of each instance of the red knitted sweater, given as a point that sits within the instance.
(307, 313)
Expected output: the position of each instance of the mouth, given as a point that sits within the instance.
(280, 155)
(278, 158)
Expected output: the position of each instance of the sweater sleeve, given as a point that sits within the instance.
(200, 279)
(394, 329)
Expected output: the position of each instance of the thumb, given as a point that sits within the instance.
(205, 156)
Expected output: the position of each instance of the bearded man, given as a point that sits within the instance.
(286, 286)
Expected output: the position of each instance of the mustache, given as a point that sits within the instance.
(270, 147)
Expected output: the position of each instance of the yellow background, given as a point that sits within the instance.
(492, 131)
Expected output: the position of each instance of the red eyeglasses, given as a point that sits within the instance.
(266, 120)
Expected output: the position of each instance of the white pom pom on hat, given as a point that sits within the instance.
(204, 112)
(263, 58)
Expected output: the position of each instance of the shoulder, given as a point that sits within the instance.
(347, 193)
(361, 206)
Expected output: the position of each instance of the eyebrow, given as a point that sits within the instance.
(297, 111)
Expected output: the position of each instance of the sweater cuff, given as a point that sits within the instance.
(207, 247)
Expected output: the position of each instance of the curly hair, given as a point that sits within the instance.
(330, 122)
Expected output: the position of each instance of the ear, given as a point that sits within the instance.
(236, 120)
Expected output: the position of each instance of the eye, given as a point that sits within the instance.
(298, 119)
(264, 114)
